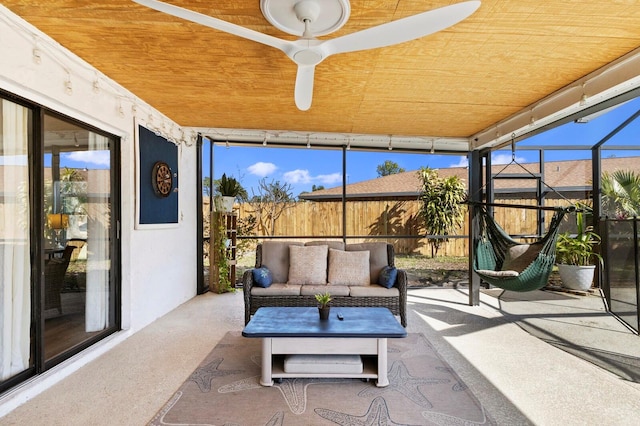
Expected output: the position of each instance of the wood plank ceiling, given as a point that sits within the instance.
(454, 83)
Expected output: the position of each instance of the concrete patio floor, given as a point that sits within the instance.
(518, 377)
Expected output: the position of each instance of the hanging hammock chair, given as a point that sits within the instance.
(511, 265)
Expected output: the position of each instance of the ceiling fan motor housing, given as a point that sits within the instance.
(325, 16)
(307, 10)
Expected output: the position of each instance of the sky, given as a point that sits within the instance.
(302, 168)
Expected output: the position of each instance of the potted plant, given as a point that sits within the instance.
(323, 304)
(576, 256)
(229, 189)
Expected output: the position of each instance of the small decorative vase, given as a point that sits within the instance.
(324, 312)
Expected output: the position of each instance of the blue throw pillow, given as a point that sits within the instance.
(262, 277)
(388, 276)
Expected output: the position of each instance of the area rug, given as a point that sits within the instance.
(225, 390)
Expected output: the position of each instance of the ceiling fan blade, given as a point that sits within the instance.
(405, 29)
(217, 24)
(304, 86)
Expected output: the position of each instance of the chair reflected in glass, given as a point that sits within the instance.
(54, 273)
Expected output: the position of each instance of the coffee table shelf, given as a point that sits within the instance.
(369, 370)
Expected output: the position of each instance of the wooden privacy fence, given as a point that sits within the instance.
(367, 220)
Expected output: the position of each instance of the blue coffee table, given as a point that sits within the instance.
(296, 330)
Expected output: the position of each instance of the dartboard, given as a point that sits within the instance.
(162, 179)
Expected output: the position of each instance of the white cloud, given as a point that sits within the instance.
(262, 169)
(300, 176)
(101, 158)
(297, 176)
(329, 179)
(505, 159)
(462, 162)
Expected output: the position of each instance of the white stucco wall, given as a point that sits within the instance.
(158, 265)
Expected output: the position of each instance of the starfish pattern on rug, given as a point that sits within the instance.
(458, 386)
(400, 380)
(277, 419)
(377, 414)
(294, 390)
(241, 385)
(202, 376)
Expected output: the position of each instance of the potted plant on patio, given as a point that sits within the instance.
(229, 189)
(576, 256)
(323, 304)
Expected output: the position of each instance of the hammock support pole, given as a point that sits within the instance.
(475, 179)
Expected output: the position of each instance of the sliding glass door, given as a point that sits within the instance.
(59, 249)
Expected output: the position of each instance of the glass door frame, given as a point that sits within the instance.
(201, 286)
(35, 155)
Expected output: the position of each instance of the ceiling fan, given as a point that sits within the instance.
(310, 18)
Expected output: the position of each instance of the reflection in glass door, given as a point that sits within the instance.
(78, 292)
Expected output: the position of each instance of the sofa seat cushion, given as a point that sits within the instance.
(334, 290)
(308, 265)
(373, 290)
(277, 289)
(349, 268)
(275, 256)
(378, 257)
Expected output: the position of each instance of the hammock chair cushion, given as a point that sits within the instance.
(498, 274)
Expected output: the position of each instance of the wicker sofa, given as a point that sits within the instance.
(349, 272)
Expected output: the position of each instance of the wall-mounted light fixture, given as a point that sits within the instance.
(58, 222)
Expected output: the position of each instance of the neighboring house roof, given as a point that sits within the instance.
(563, 176)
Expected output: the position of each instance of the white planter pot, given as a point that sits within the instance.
(577, 277)
(224, 204)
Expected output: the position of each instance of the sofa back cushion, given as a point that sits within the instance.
(308, 265)
(378, 257)
(337, 245)
(349, 268)
(275, 256)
